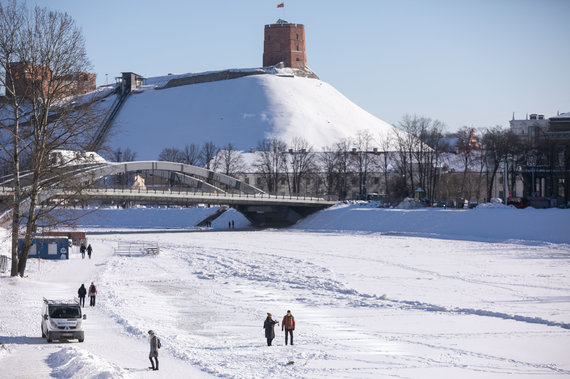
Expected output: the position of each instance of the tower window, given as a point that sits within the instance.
(297, 35)
(297, 47)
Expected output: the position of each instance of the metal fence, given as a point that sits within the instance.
(130, 248)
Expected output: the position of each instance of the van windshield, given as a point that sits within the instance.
(64, 312)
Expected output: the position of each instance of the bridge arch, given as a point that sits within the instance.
(189, 173)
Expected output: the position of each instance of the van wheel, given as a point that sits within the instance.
(81, 339)
(49, 338)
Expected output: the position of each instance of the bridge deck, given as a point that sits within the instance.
(175, 196)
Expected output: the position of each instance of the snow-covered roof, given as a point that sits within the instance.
(561, 116)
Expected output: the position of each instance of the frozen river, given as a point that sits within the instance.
(366, 305)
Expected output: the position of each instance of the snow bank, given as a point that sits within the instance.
(72, 362)
(409, 203)
(480, 224)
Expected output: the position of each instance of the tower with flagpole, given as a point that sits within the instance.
(284, 43)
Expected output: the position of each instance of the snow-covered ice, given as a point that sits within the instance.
(370, 301)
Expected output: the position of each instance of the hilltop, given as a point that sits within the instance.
(242, 106)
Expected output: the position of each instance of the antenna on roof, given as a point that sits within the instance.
(513, 116)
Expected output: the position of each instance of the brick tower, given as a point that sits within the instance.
(284, 42)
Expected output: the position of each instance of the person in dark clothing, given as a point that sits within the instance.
(233, 225)
(269, 326)
(81, 292)
(154, 346)
(288, 324)
(92, 294)
(89, 251)
(82, 250)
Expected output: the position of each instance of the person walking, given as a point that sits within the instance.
(233, 225)
(89, 251)
(82, 250)
(288, 324)
(81, 292)
(92, 294)
(269, 326)
(154, 346)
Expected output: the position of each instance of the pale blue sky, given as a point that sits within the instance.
(463, 62)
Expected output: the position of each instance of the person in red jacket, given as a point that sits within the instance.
(289, 325)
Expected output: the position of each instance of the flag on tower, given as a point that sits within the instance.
(281, 5)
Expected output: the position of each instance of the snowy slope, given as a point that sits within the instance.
(242, 111)
(479, 224)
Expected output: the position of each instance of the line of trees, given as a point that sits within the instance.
(415, 155)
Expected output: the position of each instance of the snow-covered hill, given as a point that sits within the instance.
(242, 111)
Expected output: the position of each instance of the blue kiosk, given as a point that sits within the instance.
(47, 247)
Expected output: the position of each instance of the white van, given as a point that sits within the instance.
(61, 320)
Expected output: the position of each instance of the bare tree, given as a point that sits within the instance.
(48, 47)
(171, 154)
(191, 155)
(230, 160)
(385, 158)
(495, 144)
(418, 152)
(300, 164)
(207, 154)
(270, 163)
(343, 162)
(363, 158)
(11, 24)
(328, 161)
(465, 149)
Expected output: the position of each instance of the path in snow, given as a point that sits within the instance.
(108, 352)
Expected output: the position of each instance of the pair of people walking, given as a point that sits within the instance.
(81, 292)
(287, 325)
(83, 249)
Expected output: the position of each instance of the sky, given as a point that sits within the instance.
(465, 63)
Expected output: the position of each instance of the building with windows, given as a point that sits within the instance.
(30, 81)
(545, 168)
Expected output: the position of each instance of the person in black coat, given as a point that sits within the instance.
(154, 346)
(82, 250)
(89, 251)
(81, 292)
(269, 326)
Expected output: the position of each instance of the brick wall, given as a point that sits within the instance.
(284, 43)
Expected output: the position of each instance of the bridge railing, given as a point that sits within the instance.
(217, 195)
